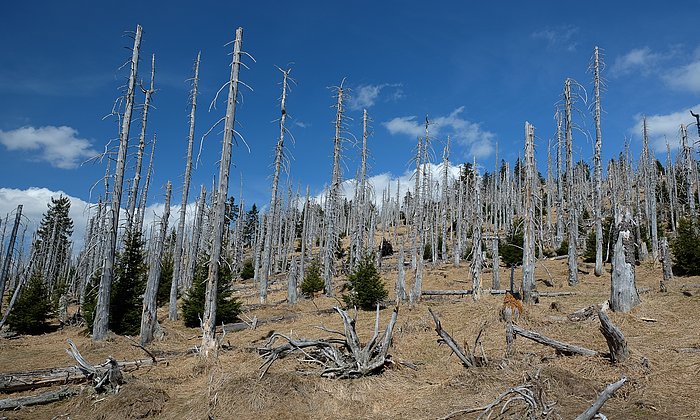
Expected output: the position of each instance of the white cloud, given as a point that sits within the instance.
(665, 127)
(59, 146)
(34, 204)
(365, 96)
(686, 77)
(302, 124)
(464, 132)
(637, 60)
(560, 37)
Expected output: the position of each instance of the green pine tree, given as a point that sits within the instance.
(165, 279)
(32, 309)
(227, 307)
(686, 249)
(312, 282)
(126, 302)
(511, 248)
(366, 286)
(247, 272)
(52, 244)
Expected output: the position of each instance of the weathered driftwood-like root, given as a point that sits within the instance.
(561, 347)
(614, 337)
(45, 398)
(602, 398)
(338, 357)
(106, 375)
(466, 356)
(525, 401)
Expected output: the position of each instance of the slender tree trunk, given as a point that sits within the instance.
(149, 316)
(477, 254)
(100, 323)
(7, 262)
(496, 280)
(209, 320)
(570, 200)
(623, 290)
(529, 221)
(180, 236)
(144, 194)
(597, 171)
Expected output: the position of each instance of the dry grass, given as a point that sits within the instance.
(662, 382)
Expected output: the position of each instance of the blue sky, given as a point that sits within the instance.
(479, 70)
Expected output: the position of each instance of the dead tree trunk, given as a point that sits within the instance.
(623, 291)
(477, 257)
(131, 207)
(496, 280)
(570, 201)
(101, 321)
(4, 274)
(273, 212)
(149, 317)
(615, 339)
(597, 170)
(608, 392)
(180, 236)
(529, 222)
(666, 265)
(332, 200)
(209, 319)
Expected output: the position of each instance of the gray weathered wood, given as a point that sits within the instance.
(608, 392)
(45, 398)
(561, 347)
(614, 337)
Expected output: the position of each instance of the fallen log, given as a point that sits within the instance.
(561, 347)
(45, 398)
(468, 360)
(614, 337)
(602, 398)
(556, 294)
(240, 326)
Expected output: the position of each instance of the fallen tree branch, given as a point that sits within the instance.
(467, 360)
(602, 398)
(45, 398)
(614, 337)
(561, 347)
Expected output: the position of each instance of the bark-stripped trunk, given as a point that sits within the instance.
(496, 279)
(529, 221)
(7, 262)
(144, 194)
(131, 205)
(477, 254)
(101, 321)
(558, 239)
(176, 281)
(597, 171)
(149, 316)
(209, 320)
(623, 290)
(273, 212)
(332, 203)
(570, 199)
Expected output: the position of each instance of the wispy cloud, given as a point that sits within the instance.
(559, 38)
(464, 132)
(636, 60)
(664, 127)
(302, 124)
(365, 96)
(59, 146)
(686, 77)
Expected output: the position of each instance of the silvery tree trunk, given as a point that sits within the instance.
(688, 167)
(559, 238)
(332, 203)
(176, 281)
(419, 234)
(273, 211)
(650, 193)
(149, 316)
(101, 321)
(496, 279)
(477, 254)
(144, 194)
(7, 262)
(209, 320)
(131, 205)
(597, 170)
(570, 199)
(193, 250)
(445, 199)
(529, 221)
(401, 278)
(623, 290)
(416, 206)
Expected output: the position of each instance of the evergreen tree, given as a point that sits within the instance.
(247, 272)
(130, 281)
(366, 286)
(589, 253)
(166, 277)
(52, 244)
(88, 307)
(313, 282)
(227, 307)
(686, 249)
(251, 226)
(511, 248)
(32, 310)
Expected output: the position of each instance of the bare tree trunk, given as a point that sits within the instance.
(131, 207)
(666, 265)
(273, 212)
(101, 321)
(10, 250)
(560, 186)
(209, 320)
(597, 170)
(144, 193)
(180, 236)
(149, 317)
(477, 254)
(573, 219)
(529, 222)
(623, 291)
(332, 200)
(496, 280)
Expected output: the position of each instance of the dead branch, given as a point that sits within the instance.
(614, 337)
(561, 347)
(467, 360)
(45, 398)
(602, 398)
